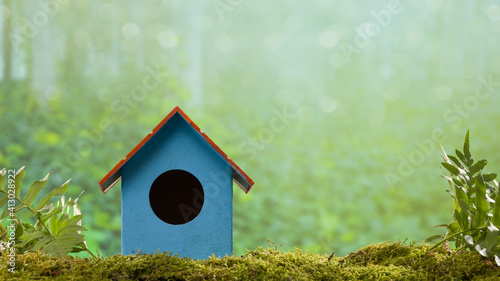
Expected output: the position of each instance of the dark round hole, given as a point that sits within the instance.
(176, 197)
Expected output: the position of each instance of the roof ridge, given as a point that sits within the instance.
(114, 175)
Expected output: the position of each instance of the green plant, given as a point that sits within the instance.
(57, 228)
(475, 219)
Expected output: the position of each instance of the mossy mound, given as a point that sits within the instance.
(385, 261)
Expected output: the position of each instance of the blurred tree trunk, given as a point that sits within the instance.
(7, 48)
(194, 49)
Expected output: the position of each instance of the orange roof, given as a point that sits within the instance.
(113, 176)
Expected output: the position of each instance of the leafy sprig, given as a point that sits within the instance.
(475, 219)
(58, 227)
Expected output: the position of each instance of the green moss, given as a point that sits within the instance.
(385, 261)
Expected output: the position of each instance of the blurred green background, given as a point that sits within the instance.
(335, 108)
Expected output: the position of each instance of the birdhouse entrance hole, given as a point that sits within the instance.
(176, 197)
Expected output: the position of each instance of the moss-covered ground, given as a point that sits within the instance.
(385, 261)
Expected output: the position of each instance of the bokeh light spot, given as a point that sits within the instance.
(327, 104)
(328, 39)
(130, 30)
(414, 39)
(168, 39)
(81, 39)
(4, 13)
(293, 23)
(107, 11)
(223, 42)
(272, 43)
(443, 92)
(493, 13)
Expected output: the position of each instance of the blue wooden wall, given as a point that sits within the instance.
(177, 146)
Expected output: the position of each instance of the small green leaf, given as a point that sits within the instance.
(19, 230)
(19, 208)
(3, 200)
(43, 241)
(460, 219)
(33, 236)
(69, 222)
(55, 222)
(444, 225)
(63, 244)
(478, 166)
(77, 250)
(461, 156)
(18, 179)
(481, 204)
(72, 227)
(452, 195)
(455, 161)
(489, 177)
(56, 210)
(55, 192)
(464, 214)
(496, 214)
(64, 216)
(433, 237)
(460, 184)
(34, 189)
(467, 154)
(5, 214)
(491, 237)
(453, 228)
(27, 226)
(464, 206)
(46, 209)
(452, 169)
(2, 178)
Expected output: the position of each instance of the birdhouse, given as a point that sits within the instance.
(177, 192)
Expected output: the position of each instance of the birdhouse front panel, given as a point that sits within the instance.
(177, 195)
(177, 192)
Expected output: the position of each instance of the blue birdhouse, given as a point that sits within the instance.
(177, 192)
